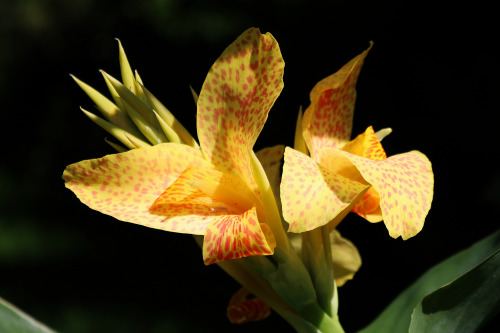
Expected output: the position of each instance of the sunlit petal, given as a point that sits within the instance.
(327, 122)
(236, 236)
(366, 145)
(235, 99)
(312, 195)
(405, 185)
(125, 185)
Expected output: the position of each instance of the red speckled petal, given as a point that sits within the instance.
(405, 184)
(242, 309)
(125, 185)
(235, 100)
(366, 145)
(237, 236)
(327, 122)
(312, 195)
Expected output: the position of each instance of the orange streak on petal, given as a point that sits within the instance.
(366, 145)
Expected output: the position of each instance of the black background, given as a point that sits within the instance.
(432, 76)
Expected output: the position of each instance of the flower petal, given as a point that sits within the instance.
(125, 185)
(242, 309)
(346, 258)
(405, 184)
(270, 159)
(366, 145)
(327, 122)
(237, 236)
(312, 195)
(235, 99)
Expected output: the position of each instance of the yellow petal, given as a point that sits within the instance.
(221, 193)
(125, 185)
(346, 258)
(366, 145)
(235, 99)
(405, 185)
(311, 195)
(327, 122)
(242, 309)
(236, 236)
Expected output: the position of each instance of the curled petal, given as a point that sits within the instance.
(346, 258)
(366, 145)
(125, 185)
(235, 100)
(242, 309)
(327, 122)
(405, 185)
(236, 236)
(312, 195)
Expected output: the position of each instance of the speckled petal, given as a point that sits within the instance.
(244, 309)
(327, 122)
(237, 236)
(405, 184)
(312, 195)
(125, 185)
(366, 145)
(235, 100)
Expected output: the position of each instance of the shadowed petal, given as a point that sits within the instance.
(125, 185)
(236, 236)
(270, 159)
(346, 258)
(235, 99)
(312, 195)
(327, 122)
(242, 309)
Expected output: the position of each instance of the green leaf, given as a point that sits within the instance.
(463, 305)
(13, 320)
(397, 316)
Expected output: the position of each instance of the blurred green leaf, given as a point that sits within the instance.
(397, 316)
(13, 320)
(463, 305)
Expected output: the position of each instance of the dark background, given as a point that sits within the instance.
(432, 76)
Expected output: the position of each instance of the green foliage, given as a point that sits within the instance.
(13, 320)
(463, 305)
(397, 316)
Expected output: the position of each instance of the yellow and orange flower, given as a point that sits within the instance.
(343, 175)
(209, 191)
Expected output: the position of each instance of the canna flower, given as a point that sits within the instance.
(342, 175)
(176, 185)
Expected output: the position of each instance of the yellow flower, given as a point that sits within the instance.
(344, 175)
(178, 187)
